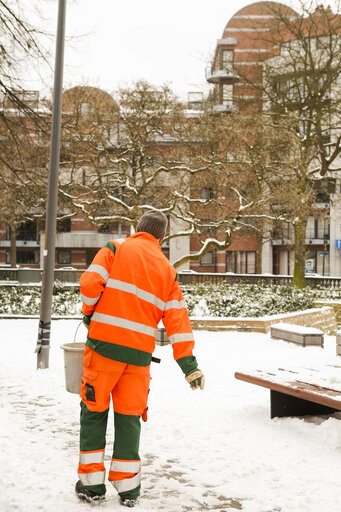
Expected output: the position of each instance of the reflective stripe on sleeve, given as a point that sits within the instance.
(96, 478)
(120, 240)
(141, 294)
(175, 304)
(125, 466)
(177, 338)
(91, 457)
(99, 270)
(128, 484)
(123, 323)
(89, 300)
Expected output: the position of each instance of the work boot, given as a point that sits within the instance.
(128, 502)
(87, 495)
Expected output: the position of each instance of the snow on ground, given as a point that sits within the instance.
(215, 449)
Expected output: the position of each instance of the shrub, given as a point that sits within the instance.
(205, 299)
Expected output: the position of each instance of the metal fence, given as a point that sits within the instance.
(29, 275)
(312, 281)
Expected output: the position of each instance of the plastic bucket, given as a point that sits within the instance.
(73, 364)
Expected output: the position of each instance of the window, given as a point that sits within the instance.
(227, 60)
(27, 230)
(327, 188)
(28, 257)
(85, 108)
(90, 254)
(241, 262)
(64, 257)
(227, 94)
(207, 228)
(105, 228)
(311, 262)
(64, 226)
(195, 100)
(207, 259)
(206, 193)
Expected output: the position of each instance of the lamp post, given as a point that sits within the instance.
(44, 331)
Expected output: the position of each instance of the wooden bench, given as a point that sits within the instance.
(299, 391)
(297, 334)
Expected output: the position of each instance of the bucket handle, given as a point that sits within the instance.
(80, 323)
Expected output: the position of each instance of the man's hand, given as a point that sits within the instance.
(196, 379)
(87, 320)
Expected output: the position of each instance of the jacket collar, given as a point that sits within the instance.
(147, 236)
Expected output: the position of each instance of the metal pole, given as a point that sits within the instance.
(44, 331)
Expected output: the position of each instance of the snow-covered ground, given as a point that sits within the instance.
(215, 449)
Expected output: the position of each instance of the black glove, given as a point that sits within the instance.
(87, 320)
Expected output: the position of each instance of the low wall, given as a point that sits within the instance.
(335, 304)
(322, 318)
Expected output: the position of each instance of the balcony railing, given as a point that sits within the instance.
(215, 76)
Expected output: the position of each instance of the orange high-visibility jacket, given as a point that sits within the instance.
(128, 288)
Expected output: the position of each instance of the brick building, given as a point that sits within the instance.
(240, 56)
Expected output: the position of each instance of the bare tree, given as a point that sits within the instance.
(23, 123)
(143, 152)
(301, 81)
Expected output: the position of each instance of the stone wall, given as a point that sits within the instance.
(321, 318)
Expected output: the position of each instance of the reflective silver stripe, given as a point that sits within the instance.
(128, 483)
(99, 270)
(89, 300)
(175, 304)
(186, 336)
(126, 466)
(91, 458)
(125, 324)
(96, 478)
(120, 240)
(141, 294)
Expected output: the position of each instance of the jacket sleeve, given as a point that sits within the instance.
(179, 331)
(94, 279)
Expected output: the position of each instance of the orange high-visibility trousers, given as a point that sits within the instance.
(128, 386)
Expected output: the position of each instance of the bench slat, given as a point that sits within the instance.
(306, 391)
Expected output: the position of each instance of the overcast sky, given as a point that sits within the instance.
(163, 42)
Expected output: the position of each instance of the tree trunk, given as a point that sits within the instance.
(299, 266)
(12, 236)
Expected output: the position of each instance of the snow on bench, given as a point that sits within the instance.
(299, 391)
(297, 334)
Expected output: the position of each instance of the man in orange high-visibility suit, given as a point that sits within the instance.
(128, 288)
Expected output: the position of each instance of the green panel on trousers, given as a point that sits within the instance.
(93, 426)
(98, 489)
(127, 437)
(119, 353)
(128, 495)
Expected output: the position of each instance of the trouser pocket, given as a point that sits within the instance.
(88, 385)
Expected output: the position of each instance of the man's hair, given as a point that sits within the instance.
(153, 222)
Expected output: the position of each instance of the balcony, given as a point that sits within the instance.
(84, 239)
(229, 107)
(312, 237)
(215, 76)
(317, 237)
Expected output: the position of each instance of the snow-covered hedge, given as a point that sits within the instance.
(202, 300)
(25, 300)
(245, 300)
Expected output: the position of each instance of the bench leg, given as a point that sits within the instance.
(287, 405)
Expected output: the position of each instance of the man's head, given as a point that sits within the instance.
(153, 222)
